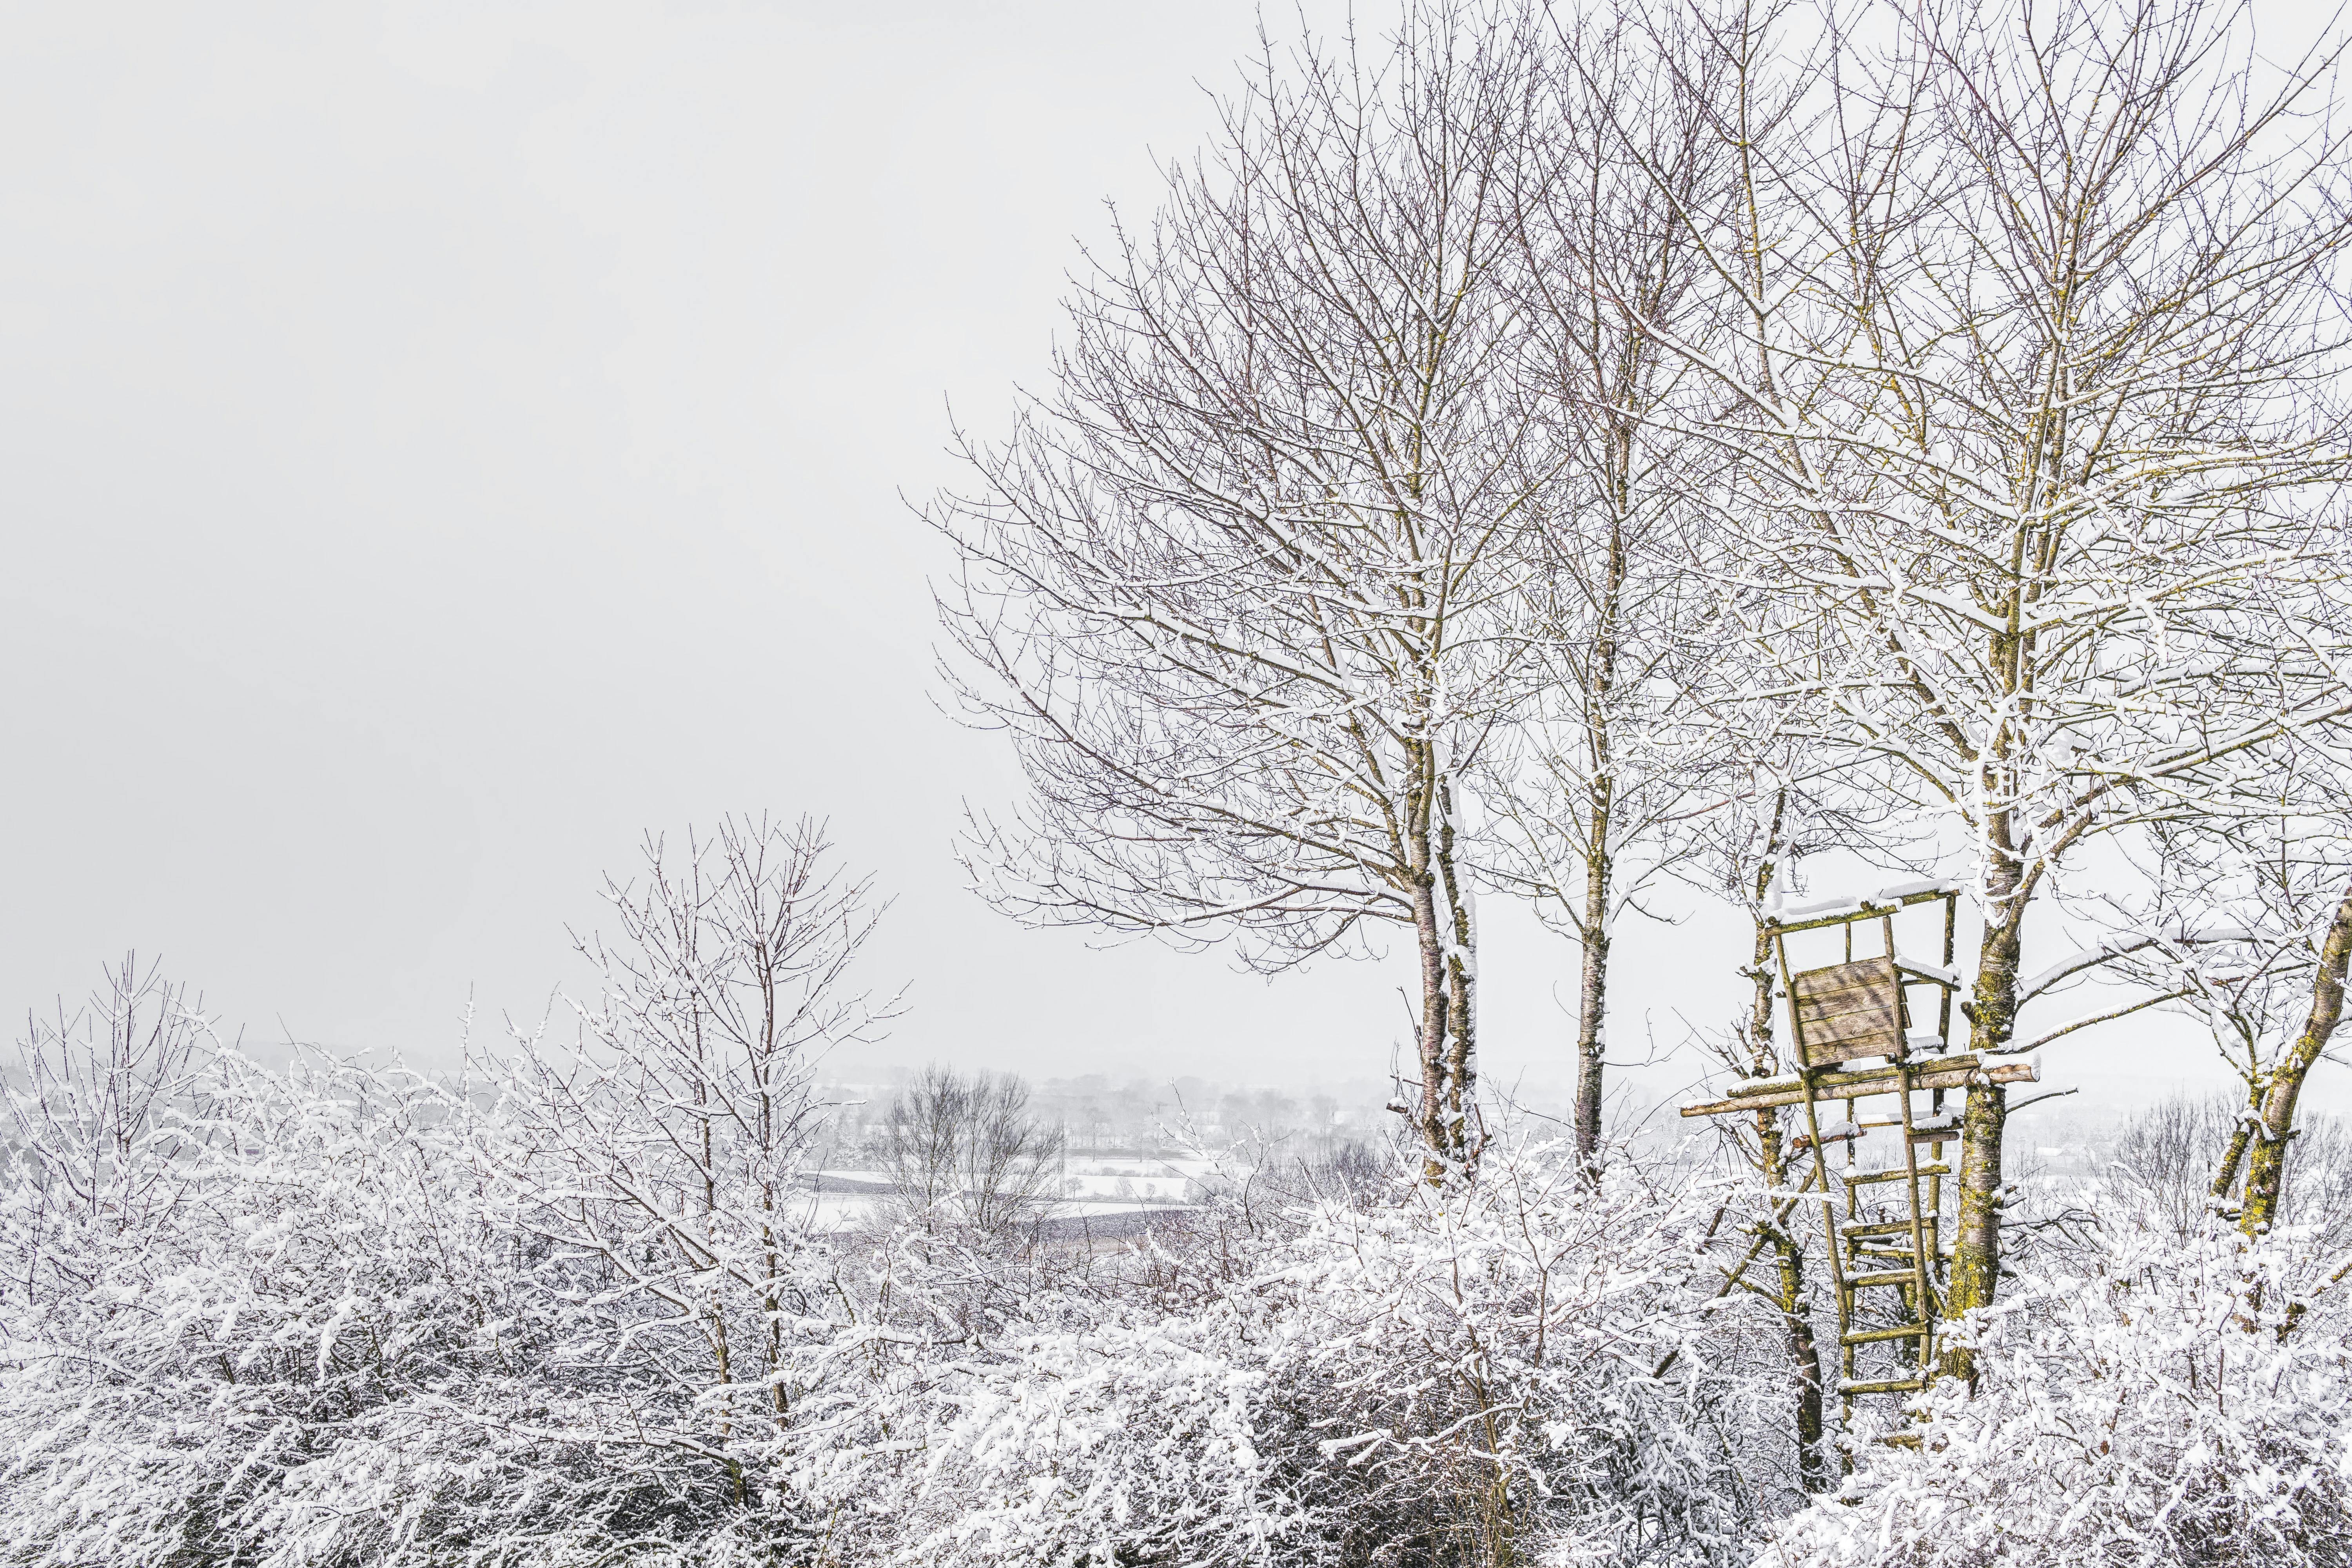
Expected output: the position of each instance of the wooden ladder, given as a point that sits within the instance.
(1840, 1012)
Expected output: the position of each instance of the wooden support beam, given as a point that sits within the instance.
(1884, 1277)
(1834, 1085)
(1955, 1074)
(1895, 1174)
(1863, 909)
(1885, 1386)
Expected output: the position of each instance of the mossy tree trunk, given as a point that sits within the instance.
(2266, 1168)
(1992, 1022)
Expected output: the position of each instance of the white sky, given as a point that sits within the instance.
(442, 441)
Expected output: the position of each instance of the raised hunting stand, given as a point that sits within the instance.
(1851, 1037)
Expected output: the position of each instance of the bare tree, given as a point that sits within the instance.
(1245, 590)
(2244, 920)
(666, 1144)
(2282, 1085)
(2036, 309)
(107, 1111)
(1603, 762)
(967, 1153)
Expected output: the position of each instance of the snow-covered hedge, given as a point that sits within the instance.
(2180, 1403)
(1441, 1375)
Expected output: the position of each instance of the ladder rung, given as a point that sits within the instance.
(1892, 1277)
(1877, 1336)
(1900, 1439)
(1894, 1175)
(1883, 1385)
(1900, 1227)
(1918, 1134)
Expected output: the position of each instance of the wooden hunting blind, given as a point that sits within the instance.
(1853, 1039)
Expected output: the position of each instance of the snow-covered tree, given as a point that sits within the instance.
(965, 1154)
(662, 1150)
(2243, 919)
(1246, 586)
(2037, 310)
(1593, 775)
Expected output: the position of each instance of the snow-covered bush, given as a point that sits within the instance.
(1516, 1368)
(2181, 1403)
(1525, 1367)
(1114, 1437)
(237, 1374)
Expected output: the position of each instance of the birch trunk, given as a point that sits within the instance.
(1592, 996)
(1462, 977)
(1599, 855)
(1432, 1119)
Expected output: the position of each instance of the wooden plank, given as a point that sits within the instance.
(1848, 1010)
(1863, 909)
(1875, 1080)
(1832, 1085)
(1869, 1262)
(1917, 974)
(1884, 1277)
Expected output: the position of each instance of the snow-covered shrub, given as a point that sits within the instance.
(2183, 1404)
(1522, 1368)
(271, 1317)
(329, 1315)
(1113, 1437)
(1516, 1368)
(240, 1377)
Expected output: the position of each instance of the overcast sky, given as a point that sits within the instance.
(444, 441)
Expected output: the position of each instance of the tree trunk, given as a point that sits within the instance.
(2266, 1171)
(1435, 1016)
(1813, 1462)
(1805, 1349)
(1992, 1020)
(1976, 1251)
(1593, 996)
(1600, 854)
(1462, 979)
(1795, 1304)
(2233, 1154)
